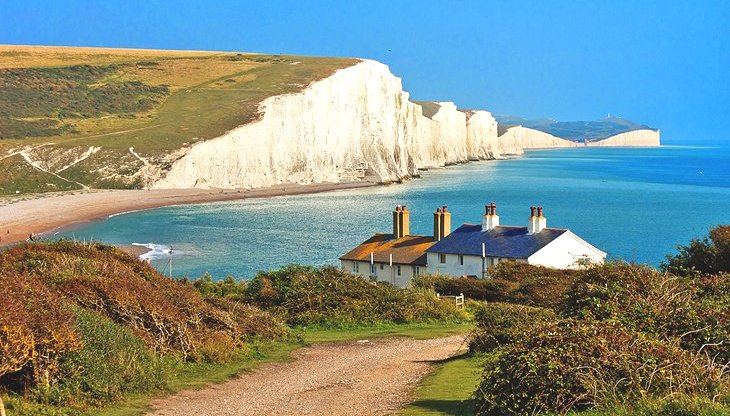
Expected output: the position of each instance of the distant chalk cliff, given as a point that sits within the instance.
(643, 137)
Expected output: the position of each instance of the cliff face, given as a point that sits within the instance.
(518, 138)
(641, 138)
(354, 124)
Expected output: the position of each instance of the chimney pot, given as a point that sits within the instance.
(539, 211)
(486, 209)
(532, 211)
(445, 222)
(494, 208)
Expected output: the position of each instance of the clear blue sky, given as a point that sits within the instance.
(664, 63)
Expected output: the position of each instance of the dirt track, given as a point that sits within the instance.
(353, 378)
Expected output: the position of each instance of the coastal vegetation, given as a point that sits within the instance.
(619, 339)
(86, 325)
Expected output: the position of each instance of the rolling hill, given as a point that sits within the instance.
(72, 118)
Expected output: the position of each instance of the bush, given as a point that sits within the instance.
(574, 365)
(692, 313)
(673, 406)
(470, 287)
(80, 318)
(112, 363)
(227, 287)
(499, 324)
(168, 315)
(35, 329)
(328, 296)
(527, 284)
(707, 256)
(509, 281)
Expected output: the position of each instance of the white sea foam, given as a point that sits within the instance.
(157, 251)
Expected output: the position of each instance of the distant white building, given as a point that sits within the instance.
(469, 251)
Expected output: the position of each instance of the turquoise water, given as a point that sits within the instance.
(635, 204)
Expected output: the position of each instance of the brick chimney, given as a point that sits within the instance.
(490, 219)
(441, 223)
(437, 216)
(405, 222)
(401, 221)
(396, 222)
(445, 221)
(537, 222)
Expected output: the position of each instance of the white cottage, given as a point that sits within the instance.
(472, 248)
(468, 251)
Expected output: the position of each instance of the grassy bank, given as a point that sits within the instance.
(448, 391)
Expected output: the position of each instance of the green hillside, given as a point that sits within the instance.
(69, 116)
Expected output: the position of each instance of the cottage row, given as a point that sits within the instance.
(470, 250)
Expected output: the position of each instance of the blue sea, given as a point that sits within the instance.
(636, 204)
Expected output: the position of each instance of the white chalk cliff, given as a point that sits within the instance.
(356, 124)
(643, 137)
(516, 139)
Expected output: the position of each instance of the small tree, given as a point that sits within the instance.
(706, 256)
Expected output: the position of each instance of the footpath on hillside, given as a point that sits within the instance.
(348, 378)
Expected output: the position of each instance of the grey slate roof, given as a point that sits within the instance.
(502, 241)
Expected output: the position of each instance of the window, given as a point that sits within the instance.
(442, 258)
(372, 269)
(461, 260)
(381, 266)
(398, 269)
(356, 267)
(415, 270)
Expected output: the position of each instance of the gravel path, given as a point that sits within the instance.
(352, 378)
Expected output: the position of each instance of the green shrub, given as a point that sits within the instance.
(227, 287)
(693, 313)
(328, 296)
(499, 324)
(674, 406)
(509, 281)
(470, 287)
(113, 362)
(527, 284)
(574, 365)
(710, 255)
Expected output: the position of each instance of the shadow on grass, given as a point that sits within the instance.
(465, 354)
(446, 407)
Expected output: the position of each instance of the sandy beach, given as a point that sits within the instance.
(44, 213)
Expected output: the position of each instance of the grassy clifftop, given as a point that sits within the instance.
(69, 116)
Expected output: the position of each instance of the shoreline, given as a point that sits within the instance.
(41, 214)
(47, 213)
